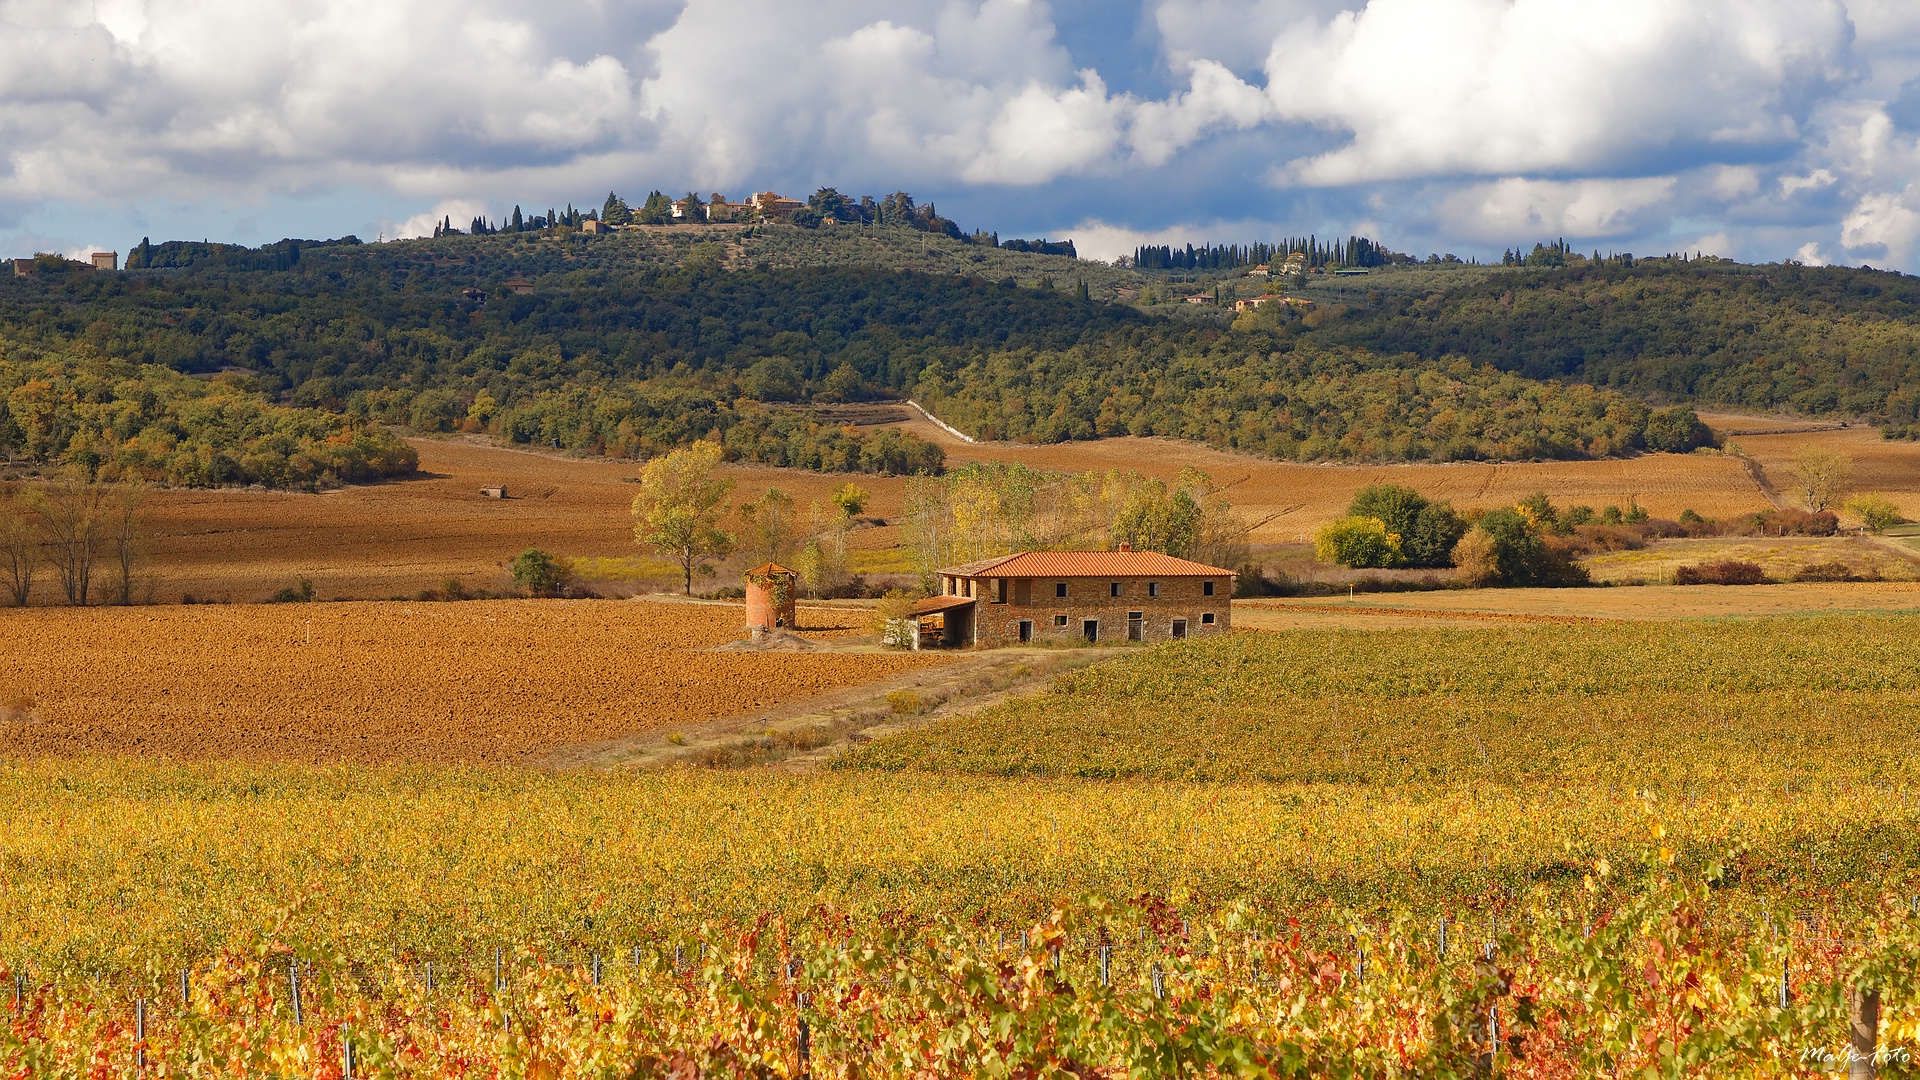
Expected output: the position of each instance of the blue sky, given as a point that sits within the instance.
(1758, 129)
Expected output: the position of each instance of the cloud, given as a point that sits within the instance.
(460, 211)
(1442, 123)
(1493, 87)
(1518, 208)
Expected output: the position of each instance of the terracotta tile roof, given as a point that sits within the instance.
(772, 568)
(1071, 564)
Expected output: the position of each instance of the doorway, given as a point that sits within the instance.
(1135, 621)
(1091, 628)
(1179, 629)
(1026, 631)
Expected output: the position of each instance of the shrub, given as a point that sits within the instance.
(1427, 530)
(903, 701)
(1357, 542)
(1506, 548)
(1725, 572)
(1676, 430)
(297, 594)
(1832, 570)
(540, 574)
(1876, 512)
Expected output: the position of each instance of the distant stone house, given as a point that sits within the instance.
(1058, 596)
(1200, 298)
(690, 210)
(720, 210)
(519, 285)
(106, 260)
(1260, 271)
(774, 206)
(1252, 302)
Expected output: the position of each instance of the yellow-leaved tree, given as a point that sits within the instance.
(678, 510)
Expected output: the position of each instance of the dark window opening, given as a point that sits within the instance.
(1091, 628)
(1153, 588)
(1026, 630)
(999, 590)
(1206, 619)
(1060, 590)
(1135, 625)
(1206, 588)
(1113, 589)
(1060, 620)
(1179, 629)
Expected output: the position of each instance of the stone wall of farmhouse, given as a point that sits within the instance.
(1057, 619)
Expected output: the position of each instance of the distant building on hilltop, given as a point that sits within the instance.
(1058, 596)
(774, 206)
(106, 260)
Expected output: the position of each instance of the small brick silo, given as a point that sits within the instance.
(770, 599)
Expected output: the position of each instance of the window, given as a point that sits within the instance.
(1206, 588)
(1113, 589)
(1206, 618)
(1153, 588)
(1060, 621)
(1135, 626)
(1060, 590)
(1179, 629)
(999, 590)
(1026, 630)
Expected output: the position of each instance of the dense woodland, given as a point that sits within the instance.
(644, 340)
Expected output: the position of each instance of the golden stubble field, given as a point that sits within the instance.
(507, 681)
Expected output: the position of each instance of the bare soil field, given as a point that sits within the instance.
(1289, 501)
(1467, 607)
(1879, 465)
(394, 539)
(507, 681)
(1783, 558)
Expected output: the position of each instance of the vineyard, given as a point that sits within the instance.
(1538, 850)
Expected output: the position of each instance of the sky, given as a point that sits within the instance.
(1755, 129)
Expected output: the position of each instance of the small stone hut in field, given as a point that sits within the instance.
(770, 599)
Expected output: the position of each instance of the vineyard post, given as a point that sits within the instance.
(677, 958)
(1106, 951)
(1159, 981)
(1865, 1023)
(1443, 937)
(636, 958)
(596, 969)
(498, 984)
(186, 990)
(429, 976)
(803, 1041)
(346, 1053)
(139, 1036)
(293, 981)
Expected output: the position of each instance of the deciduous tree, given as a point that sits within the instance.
(678, 510)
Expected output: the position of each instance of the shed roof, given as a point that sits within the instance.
(1071, 564)
(934, 605)
(766, 569)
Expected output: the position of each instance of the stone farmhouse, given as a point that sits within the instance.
(1057, 596)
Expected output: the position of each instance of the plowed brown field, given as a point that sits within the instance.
(487, 681)
(396, 539)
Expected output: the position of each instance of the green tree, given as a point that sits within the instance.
(678, 510)
(1676, 430)
(851, 499)
(1152, 518)
(1357, 542)
(539, 573)
(768, 530)
(1506, 547)
(657, 210)
(1877, 512)
(616, 212)
(1428, 530)
(773, 378)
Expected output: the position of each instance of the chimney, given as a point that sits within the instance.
(1124, 546)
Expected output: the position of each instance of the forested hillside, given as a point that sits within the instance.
(1813, 340)
(647, 339)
